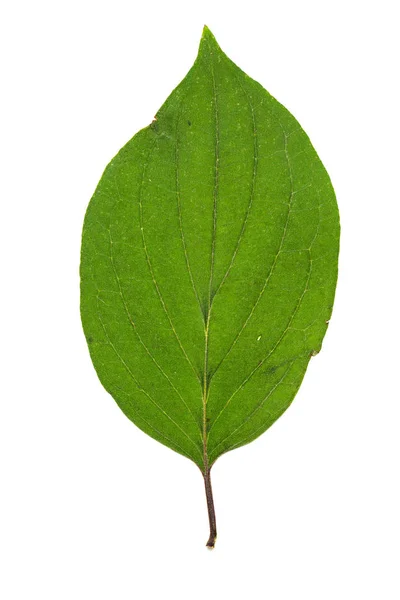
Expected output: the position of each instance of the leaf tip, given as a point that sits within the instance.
(207, 40)
(206, 31)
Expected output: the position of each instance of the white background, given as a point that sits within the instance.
(91, 508)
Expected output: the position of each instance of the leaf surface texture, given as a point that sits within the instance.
(209, 263)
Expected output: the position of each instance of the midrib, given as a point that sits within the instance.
(207, 324)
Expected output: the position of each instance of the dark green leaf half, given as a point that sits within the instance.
(209, 263)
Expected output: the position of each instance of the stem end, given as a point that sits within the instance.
(211, 543)
(211, 511)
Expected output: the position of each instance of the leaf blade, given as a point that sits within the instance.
(209, 263)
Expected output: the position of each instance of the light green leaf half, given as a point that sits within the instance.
(209, 263)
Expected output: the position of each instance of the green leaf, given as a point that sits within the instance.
(209, 264)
